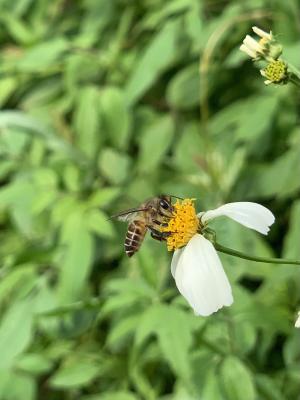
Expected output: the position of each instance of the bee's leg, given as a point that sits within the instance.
(157, 235)
(155, 221)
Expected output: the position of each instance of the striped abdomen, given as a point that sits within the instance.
(135, 235)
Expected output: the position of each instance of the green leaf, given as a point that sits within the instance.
(237, 119)
(34, 363)
(98, 222)
(291, 350)
(189, 151)
(16, 279)
(236, 380)
(155, 142)
(13, 141)
(174, 328)
(75, 375)
(120, 331)
(103, 197)
(159, 55)
(87, 121)
(19, 30)
(183, 90)
(17, 386)
(15, 332)
(211, 387)
(268, 387)
(35, 127)
(275, 179)
(77, 258)
(114, 165)
(292, 238)
(116, 116)
(42, 55)
(118, 395)
(7, 87)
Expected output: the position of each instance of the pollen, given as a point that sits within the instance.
(276, 71)
(183, 224)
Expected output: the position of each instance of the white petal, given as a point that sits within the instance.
(297, 323)
(249, 52)
(252, 44)
(252, 215)
(261, 33)
(200, 277)
(175, 259)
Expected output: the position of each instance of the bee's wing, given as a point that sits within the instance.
(129, 215)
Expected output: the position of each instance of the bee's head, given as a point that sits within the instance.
(165, 202)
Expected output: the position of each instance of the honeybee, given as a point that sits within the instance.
(150, 215)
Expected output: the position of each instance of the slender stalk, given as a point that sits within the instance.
(294, 70)
(294, 79)
(239, 254)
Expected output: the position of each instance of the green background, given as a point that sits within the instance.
(105, 103)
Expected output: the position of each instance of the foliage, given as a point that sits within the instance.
(106, 103)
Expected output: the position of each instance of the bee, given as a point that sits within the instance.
(150, 215)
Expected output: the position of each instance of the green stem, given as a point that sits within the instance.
(294, 70)
(239, 254)
(294, 79)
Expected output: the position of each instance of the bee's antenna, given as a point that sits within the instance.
(176, 197)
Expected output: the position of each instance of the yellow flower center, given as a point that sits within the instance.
(276, 71)
(183, 225)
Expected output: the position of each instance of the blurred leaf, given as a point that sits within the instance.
(87, 121)
(268, 388)
(116, 116)
(121, 330)
(42, 55)
(183, 90)
(97, 222)
(103, 197)
(159, 55)
(77, 258)
(15, 332)
(13, 141)
(291, 351)
(189, 156)
(237, 119)
(175, 337)
(7, 87)
(276, 178)
(17, 28)
(155, 142)
(18, 386)
(211, 388)
(35, 127)
(75, 375)
(15, 279)
(119, 395)
(114, 166)
(34, 363)
(236, 380)
(292, 239)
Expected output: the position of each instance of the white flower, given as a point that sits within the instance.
(253, 48)
(196, 267)
(297, 323)
(262, 34)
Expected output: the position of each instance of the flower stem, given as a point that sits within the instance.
(294, 75)
(294, 70)
(239, 254)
